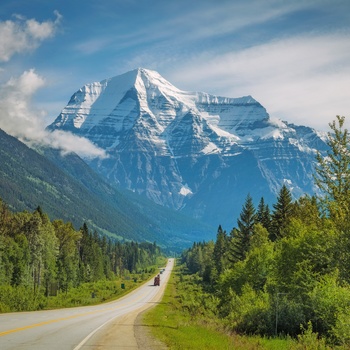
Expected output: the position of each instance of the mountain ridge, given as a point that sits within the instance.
(173, 146)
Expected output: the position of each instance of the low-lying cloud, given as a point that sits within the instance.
(21, 119)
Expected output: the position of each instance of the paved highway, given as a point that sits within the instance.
(75, 328)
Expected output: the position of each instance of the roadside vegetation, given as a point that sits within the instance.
(46, 264)
(187, 319)
(280, 279)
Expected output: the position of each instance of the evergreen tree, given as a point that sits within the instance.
(195, 258)
(333, 178)
(208, 263)
(119, 259)
(68, 258)
(263, 214)
(306, 209)
(333, 172)
(220, 249)
(43, 249)
(240, 237)
(5, 218)
(281, 214)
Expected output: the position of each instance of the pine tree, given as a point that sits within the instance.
(281, 214)
(307, 210)
(263, 214)
(220, 249)
(333, 172)
(240, 237)
(68, 255)
(333, 178)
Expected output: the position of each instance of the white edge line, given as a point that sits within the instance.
(79, 346)
(82, 343)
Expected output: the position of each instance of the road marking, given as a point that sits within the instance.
(79, 346)
(71, 317)
(84, 341)
(120, 304)
(45, 323)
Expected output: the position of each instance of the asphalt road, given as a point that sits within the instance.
(104, 326)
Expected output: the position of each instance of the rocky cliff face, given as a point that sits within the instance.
(194, 152)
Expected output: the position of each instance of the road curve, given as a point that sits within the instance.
(104, 326)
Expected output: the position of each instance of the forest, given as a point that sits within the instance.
(40, 258)
(285, 270)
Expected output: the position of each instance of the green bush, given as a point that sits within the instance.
(329, 302)
(249, 312)
(308, 340)
(20, 298)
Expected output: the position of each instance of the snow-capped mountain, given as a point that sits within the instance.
(191, 151)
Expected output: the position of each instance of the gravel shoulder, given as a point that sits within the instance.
(143, 336)
(125, 332)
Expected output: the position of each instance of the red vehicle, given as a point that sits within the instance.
(157, 280)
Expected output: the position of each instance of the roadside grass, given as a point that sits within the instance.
(21, 298)
(94, 293)
(101, 291)
(178, 328)
(174, 328)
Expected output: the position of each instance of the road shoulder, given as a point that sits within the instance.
(143, 336)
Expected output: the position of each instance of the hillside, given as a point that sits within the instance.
(65, 187)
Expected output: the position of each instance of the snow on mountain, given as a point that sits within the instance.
(190, 151)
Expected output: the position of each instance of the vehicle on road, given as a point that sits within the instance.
(157, 280)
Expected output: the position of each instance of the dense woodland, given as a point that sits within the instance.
(285, 269)
(40, 257)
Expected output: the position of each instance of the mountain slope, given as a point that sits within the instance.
(191, 151)
(67, 188)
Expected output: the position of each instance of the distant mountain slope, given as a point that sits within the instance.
(67, 188)
(197, 153)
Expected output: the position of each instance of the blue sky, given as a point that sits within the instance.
(292, 56)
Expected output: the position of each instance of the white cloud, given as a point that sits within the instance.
(67, 143)
(23, 35)
(19, 118)
(297, 79)
(213, 21)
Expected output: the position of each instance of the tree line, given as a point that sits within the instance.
(42, 255)
(285, 269)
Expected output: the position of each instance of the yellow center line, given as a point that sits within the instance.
(46, 322)
(65, 318)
